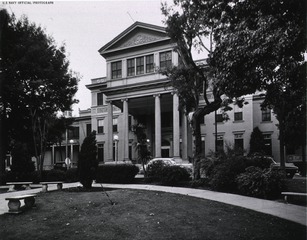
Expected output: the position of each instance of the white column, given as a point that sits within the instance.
(126, 129)
(157, 126)
(176, 127)
(110, 132)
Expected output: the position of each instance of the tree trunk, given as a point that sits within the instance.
(198, 146)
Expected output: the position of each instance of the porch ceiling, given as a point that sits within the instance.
(146, 105)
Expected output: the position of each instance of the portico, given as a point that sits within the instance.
(161, 116)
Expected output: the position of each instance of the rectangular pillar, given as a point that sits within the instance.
(157, 126)
(176, 127)
(110, 133)
(126, 129)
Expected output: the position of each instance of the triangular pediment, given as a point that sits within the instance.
(138, 34)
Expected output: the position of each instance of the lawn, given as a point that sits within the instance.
(139, 215)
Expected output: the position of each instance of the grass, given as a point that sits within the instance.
(136, 214)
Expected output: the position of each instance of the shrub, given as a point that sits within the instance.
(119, 173)
(259, 160)
(224, 174)
(154, 170)
(71, 175)
(87, 163)
(172, 175)
(261, 183)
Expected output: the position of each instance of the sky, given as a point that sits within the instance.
(84, 27)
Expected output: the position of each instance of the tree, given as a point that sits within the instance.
(257, 144)
(260, 48)
(36, 83)
(141, 145)
(188, 24)
(88, 162)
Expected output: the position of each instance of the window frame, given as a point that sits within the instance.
(149, 65)
(266, 115)
(116, 69)
(164, 61)
(131, 67)
(100, 128)
(139, 65)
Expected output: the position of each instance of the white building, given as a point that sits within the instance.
(133, 90)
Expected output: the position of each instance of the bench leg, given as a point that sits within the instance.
(59, 186)
(30, 202)
(44, 187)
(14, 206)
(12, 188)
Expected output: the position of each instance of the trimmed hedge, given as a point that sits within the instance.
(172, 175)
(116, 173)
(71, 175)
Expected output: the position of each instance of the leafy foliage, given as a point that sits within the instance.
(88, 163)
(172, 175)
(262, 183)
(257, 144)
(36, 83)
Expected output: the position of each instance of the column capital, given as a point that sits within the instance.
(109, 101)
(174, 93)
(125, 99)
(157, 95)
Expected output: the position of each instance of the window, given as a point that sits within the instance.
(165, 59)
(100, 152)
(130, 67)
(238, 116)
(268, 144)
(73, 133)
(150, 63)
(88, 129)
(116, 69)
(99, 99)
(100, 126)
(266, 115)
(220, 143)
(239, 142)
(219, 118)
(115, 125)
(139, 65)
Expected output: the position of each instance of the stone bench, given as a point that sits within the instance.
(286, 194)
(45, 185)
(15, 205)
(14, 186)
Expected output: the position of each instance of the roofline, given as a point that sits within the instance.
(129, 29)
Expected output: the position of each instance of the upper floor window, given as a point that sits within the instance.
(266, 115)
(73, 133)
(219, 117)
(130, 67)
(165, 59)
(100, 125)
(99, 99)
(139, 65)
(149, 63)
(238, 116)
(116, 69)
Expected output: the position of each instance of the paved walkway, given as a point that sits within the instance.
(279, 209)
